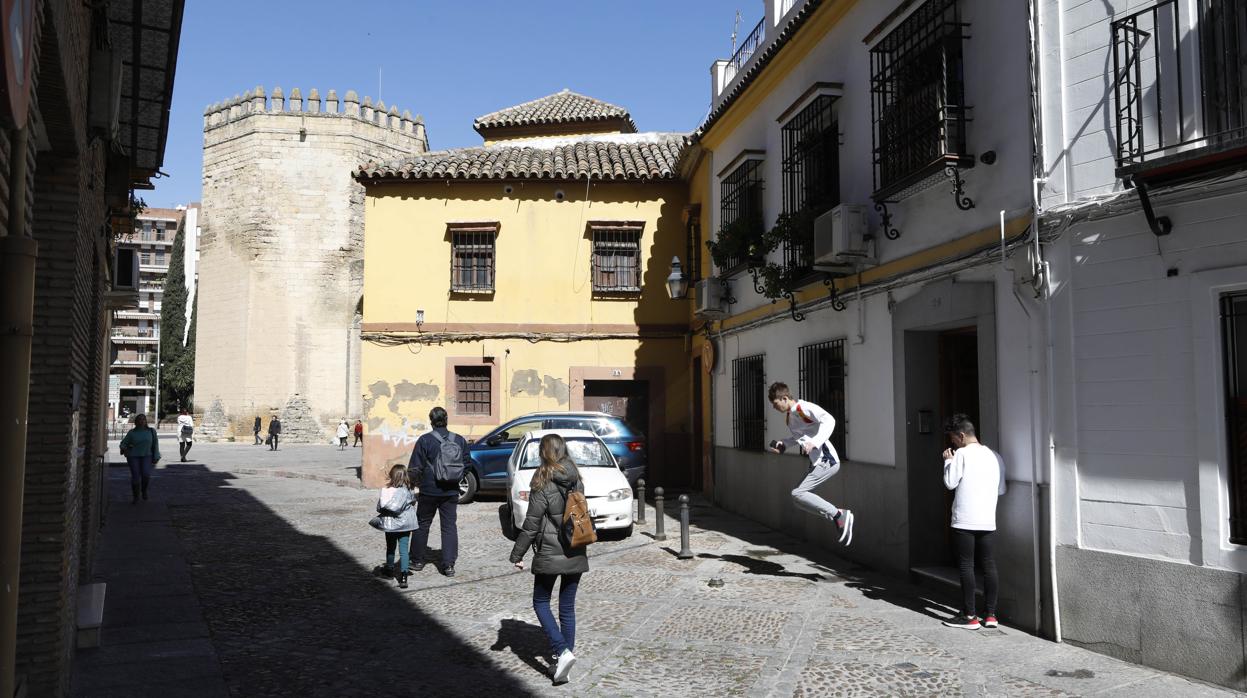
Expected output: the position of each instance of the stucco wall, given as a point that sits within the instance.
(281, 273)
(543, 288)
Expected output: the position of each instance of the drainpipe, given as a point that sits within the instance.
(17, 309)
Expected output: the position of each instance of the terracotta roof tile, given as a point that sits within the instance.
(616, 156)
(564, 107)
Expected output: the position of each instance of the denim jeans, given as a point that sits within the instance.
(564, 637)
(971, 545)
(397, 540)
(447, 510)
(140, 470)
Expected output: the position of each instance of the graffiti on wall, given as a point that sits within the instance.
(403, 435)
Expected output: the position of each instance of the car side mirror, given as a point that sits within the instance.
(493, 441)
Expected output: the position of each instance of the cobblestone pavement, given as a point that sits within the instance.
(233, 581)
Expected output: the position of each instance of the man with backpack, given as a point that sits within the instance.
(437, 464)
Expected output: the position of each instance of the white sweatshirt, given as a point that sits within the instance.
(978, 475)
(811, 426)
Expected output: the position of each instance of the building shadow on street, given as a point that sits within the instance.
(287, 613)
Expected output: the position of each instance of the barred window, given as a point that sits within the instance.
(740, 202)
(822, 381)
(748, 403)
(811, 168)
(472, 390)
(616, 258)
(692, 252)
(472, 258)
(918, 99)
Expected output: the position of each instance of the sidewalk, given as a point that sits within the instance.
(246, 584)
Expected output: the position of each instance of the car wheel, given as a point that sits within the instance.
(467, 487)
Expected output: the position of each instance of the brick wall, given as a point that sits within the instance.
(61, 508)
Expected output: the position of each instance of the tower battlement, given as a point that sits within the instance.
(322, 110)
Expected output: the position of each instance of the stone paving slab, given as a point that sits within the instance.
(284, 598)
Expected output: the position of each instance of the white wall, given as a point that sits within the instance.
(996, 83)
(1146, 389)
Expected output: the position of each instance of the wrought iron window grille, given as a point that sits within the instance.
(473, 391)
(918, 108)
(616, 259)
(811, 178)
(822, 373)
(1233, 337)
(1171, 117)
(740, 215)
(472, 259)
(748, 403)
(692, 248)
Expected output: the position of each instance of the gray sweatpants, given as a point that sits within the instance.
(803, 496)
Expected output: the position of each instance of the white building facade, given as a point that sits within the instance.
(917, 116)
(1144, 209)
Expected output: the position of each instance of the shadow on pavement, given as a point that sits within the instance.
(756, 566)
(903, 595)
(287, 613)
(526, 640)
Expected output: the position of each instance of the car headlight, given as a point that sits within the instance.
(522, 496)
(619, 494)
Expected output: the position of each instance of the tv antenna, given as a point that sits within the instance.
(735, 30)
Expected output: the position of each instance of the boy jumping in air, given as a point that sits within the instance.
(811, 428)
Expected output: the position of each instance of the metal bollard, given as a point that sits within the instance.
(685, 552)
(659, 534)
(640, 501)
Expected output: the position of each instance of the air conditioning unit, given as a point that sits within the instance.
(710, 293)
(841, 240)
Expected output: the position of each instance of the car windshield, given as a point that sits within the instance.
(585, 453)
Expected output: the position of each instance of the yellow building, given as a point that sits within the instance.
(528, 274)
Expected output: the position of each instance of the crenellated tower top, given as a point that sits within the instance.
(276, 102)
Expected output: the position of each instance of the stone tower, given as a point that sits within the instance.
(281, 257)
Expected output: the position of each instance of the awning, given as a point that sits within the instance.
(146, 34)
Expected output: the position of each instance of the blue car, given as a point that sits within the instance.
(488, 471)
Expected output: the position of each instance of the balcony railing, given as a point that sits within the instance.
(748, 46)
(1167, 112)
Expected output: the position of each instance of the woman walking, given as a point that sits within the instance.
(555, 478)
(396, 516)
(142, 451)
(344, 430)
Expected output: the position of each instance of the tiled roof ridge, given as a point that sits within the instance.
(562, 107)
(633, 156)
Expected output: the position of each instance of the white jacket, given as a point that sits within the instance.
(978, 475)
(811, 426)
(343, 430)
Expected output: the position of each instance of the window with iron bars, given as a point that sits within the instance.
(748, 403)
(692, 251)
(822, 381)
(1234, 357)
(1156, 117)
(918, 99)
(472, 259)
(740, 203)
(811, 169)
(616, 259)
(472, 390)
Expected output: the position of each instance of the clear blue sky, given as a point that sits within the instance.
(448, 60)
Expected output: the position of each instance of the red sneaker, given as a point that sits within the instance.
(991, 622)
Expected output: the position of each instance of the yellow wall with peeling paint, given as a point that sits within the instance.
(543, 277)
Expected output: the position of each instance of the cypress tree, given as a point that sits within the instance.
(176, 386)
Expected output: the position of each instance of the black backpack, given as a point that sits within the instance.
(448, 466)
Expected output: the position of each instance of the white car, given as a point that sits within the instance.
(606, 488)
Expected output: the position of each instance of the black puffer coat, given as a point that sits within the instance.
(541, 529)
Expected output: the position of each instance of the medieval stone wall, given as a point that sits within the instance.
(281, 257)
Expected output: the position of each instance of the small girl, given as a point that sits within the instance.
(396, 516)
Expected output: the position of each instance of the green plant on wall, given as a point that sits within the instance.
(745, 240)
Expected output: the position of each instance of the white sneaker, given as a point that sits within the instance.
(564, 666)
(846, 527)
